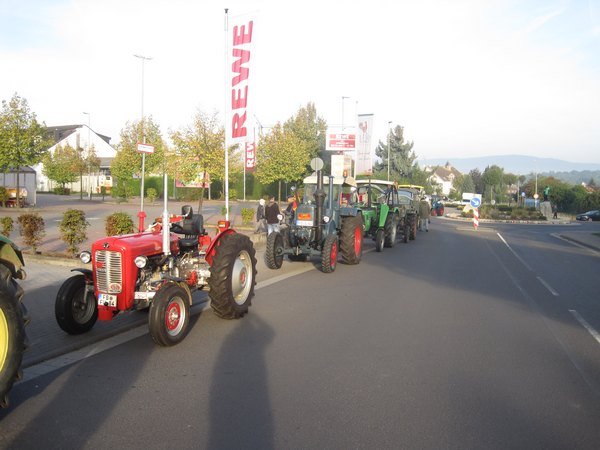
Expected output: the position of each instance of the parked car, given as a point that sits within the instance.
(590, 215)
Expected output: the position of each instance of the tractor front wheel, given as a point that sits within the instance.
(233, 276)
(13, 318)
(76, 309)
(351, 239)
(391, 226)
(329, 254)
(379, 240)
(169, 315)
(274, 251)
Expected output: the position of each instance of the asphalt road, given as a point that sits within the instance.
(460, 339)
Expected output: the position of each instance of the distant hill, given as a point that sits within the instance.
(517, 164)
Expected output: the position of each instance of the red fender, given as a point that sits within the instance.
(223, 230)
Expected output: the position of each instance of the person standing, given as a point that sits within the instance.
(424, 211)
(261, 224)
(273, 216)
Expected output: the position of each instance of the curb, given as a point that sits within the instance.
(580, 242)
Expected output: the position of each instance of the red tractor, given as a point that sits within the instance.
(160, 269)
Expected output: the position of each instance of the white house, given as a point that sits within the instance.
(83, 138)
(444, 176)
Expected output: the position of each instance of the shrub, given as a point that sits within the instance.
(247, 215)
(152, 194)
(73, 229)
(6, 226)
(3, 196)
(118, 223)
(31, 228)
(61, 190)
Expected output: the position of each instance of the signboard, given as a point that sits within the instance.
(240, 43)
(475, 202)
(201, 181)
(250, 156)
(340, 141)
(364, 159)
(341, 164)
(145, 148)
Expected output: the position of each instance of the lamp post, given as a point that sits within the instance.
(389, 145)
(89, 143)
(343, 98)
(142, 214)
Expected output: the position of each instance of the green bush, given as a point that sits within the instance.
(118, 223)
(6, 226)
(32, 229)
(61, 190)
(3, 196)
(152, 194)
(73, 229)
(247, 215)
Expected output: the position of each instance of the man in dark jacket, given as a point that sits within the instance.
(273, 216)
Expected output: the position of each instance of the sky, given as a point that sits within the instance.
(463, 77)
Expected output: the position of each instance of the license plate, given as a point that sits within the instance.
(107, 300)
(304, 223)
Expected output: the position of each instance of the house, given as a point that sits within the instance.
(83, 138)
(443, 176)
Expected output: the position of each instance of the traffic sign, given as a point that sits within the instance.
(145, 148)
(475, 202)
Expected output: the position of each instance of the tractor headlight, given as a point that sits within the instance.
(85, 257)
(141, 262)
(326, 219)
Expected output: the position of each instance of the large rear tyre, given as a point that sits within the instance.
(413, 228)
(274, 251)
(406, 232)
(329, 254)
(232, 276)
(13, 341)
(391, 227)
(169, 315)
(75, 309)
(351, 237)
(379, 240)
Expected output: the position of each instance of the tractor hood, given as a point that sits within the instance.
(146, 244)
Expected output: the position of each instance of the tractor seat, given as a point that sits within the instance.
(191, 226)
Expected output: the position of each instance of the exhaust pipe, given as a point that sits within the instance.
(166, 229)
(320, 201)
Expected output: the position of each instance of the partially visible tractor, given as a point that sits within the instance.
(409, 196)
(13, 317)
(319, 227)
(389, 215)
(160, 269)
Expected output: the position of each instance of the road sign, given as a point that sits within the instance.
(145, 148)
(475, 202)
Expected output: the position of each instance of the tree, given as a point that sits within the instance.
(23, 139)
(401, 157)
(282, 156)
(308, 127)
(199, 148)
(492, 180)
(128, 161)
(63, 165)
(477, 181)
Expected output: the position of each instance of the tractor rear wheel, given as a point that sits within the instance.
(391, 226)
(413, 228)
(13, 341)
(351, 239)
(329, 254)
(169, 315)
(233, 276)
(274, 251)
(379, 240)
(75, 312)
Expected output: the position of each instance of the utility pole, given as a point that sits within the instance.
(142, 214)
(389, 146)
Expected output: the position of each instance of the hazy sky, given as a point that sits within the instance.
(464, 77)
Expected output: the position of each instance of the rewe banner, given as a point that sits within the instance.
(240, 44)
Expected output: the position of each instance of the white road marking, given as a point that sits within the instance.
(576, 244)
(586, 325)
(515, 253)
(547, 286)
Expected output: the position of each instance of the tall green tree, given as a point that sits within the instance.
(128, 161)
(63, 165)
(402, 158)
(282, 156)
(308, 127)
(477, 181)
(23, 140)
(200, 148)
(492, 179)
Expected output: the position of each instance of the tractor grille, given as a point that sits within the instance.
(109, 273)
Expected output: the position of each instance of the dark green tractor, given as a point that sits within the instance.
(324, 224)
(383, 212)
(13, 317)
(409, 196)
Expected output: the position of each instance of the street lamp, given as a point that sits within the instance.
(89, 143)
(141, 214)
(343, 98)
(389, 145)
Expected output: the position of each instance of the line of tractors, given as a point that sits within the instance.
(160, 268)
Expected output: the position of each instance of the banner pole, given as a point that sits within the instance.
(226, 117)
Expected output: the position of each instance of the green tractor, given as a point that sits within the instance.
(409, 196)
(384, 212)
(13, 317)
(319, 227)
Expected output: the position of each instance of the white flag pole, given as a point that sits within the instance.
(227, 100)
